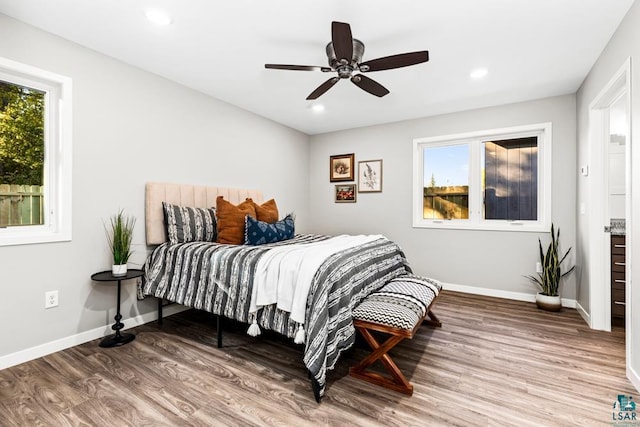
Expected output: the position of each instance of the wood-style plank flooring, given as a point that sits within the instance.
(494, 362)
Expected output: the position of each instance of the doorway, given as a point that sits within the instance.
(609, 185)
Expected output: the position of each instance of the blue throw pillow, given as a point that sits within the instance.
(260, 232)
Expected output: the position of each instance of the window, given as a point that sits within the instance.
(496, 180)
(448, 196)
(35, 155)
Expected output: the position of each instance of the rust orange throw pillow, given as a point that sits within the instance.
(231, 220)
(266, 212)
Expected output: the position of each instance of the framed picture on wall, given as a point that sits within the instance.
(370, 176)
(341, 167)
(345, 193)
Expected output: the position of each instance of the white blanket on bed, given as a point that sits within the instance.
(284, 274)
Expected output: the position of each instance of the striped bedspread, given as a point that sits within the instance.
(219, 279)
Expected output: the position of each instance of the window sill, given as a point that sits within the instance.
(511, 226)
(10, 237)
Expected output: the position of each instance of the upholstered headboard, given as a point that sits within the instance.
(198, 196)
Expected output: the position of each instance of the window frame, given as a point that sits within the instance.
(58, 154)
(475, 139)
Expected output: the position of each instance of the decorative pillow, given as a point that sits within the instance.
(260, 232)
(187, 224)
(267, 212)
(231, 220)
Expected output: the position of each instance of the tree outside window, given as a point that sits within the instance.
(22, 153)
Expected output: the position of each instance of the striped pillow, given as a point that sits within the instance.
(186, 224)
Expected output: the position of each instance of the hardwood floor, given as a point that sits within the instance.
(493, 362)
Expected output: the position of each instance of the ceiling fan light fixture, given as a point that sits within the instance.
(317, 108)
(158, 17)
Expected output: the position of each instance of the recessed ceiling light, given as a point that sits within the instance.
(317, 108)
(478, 73)
(158, 17)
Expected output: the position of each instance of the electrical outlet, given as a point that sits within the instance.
(538, 267)
(50, 299)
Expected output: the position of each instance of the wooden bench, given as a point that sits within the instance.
(397, 309)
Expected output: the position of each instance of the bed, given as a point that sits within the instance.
(219, 278)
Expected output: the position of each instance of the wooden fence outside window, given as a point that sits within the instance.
(21, 205)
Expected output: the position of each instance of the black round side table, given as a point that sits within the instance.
(117, 339)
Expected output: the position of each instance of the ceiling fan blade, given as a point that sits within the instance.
(395, 61)
(369, 85)
(342, 41)
(297, 67)
(323, 88)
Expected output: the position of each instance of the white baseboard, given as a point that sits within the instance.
(633, 377)
(583, 313)
(81, 338)
(498, 293)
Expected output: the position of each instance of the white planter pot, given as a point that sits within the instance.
(549, 303)
(119, 269)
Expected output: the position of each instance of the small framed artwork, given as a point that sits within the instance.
(345, 193)
(341, 168)
(370, 176)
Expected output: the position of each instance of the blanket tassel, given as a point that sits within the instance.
(254, 329)
(299, 338)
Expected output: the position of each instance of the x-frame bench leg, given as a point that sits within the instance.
(432, 320)
(398, 382)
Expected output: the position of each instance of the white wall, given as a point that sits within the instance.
(483, 259)
(623, 44)
(129, 127)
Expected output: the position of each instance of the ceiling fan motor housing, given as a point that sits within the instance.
(346, 69)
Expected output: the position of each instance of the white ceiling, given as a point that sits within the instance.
(532, 49)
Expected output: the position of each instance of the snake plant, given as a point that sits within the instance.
(549, 279)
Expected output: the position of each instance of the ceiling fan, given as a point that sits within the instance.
(345, 53)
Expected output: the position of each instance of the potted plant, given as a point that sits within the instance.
(549, 279)
(119, 236)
